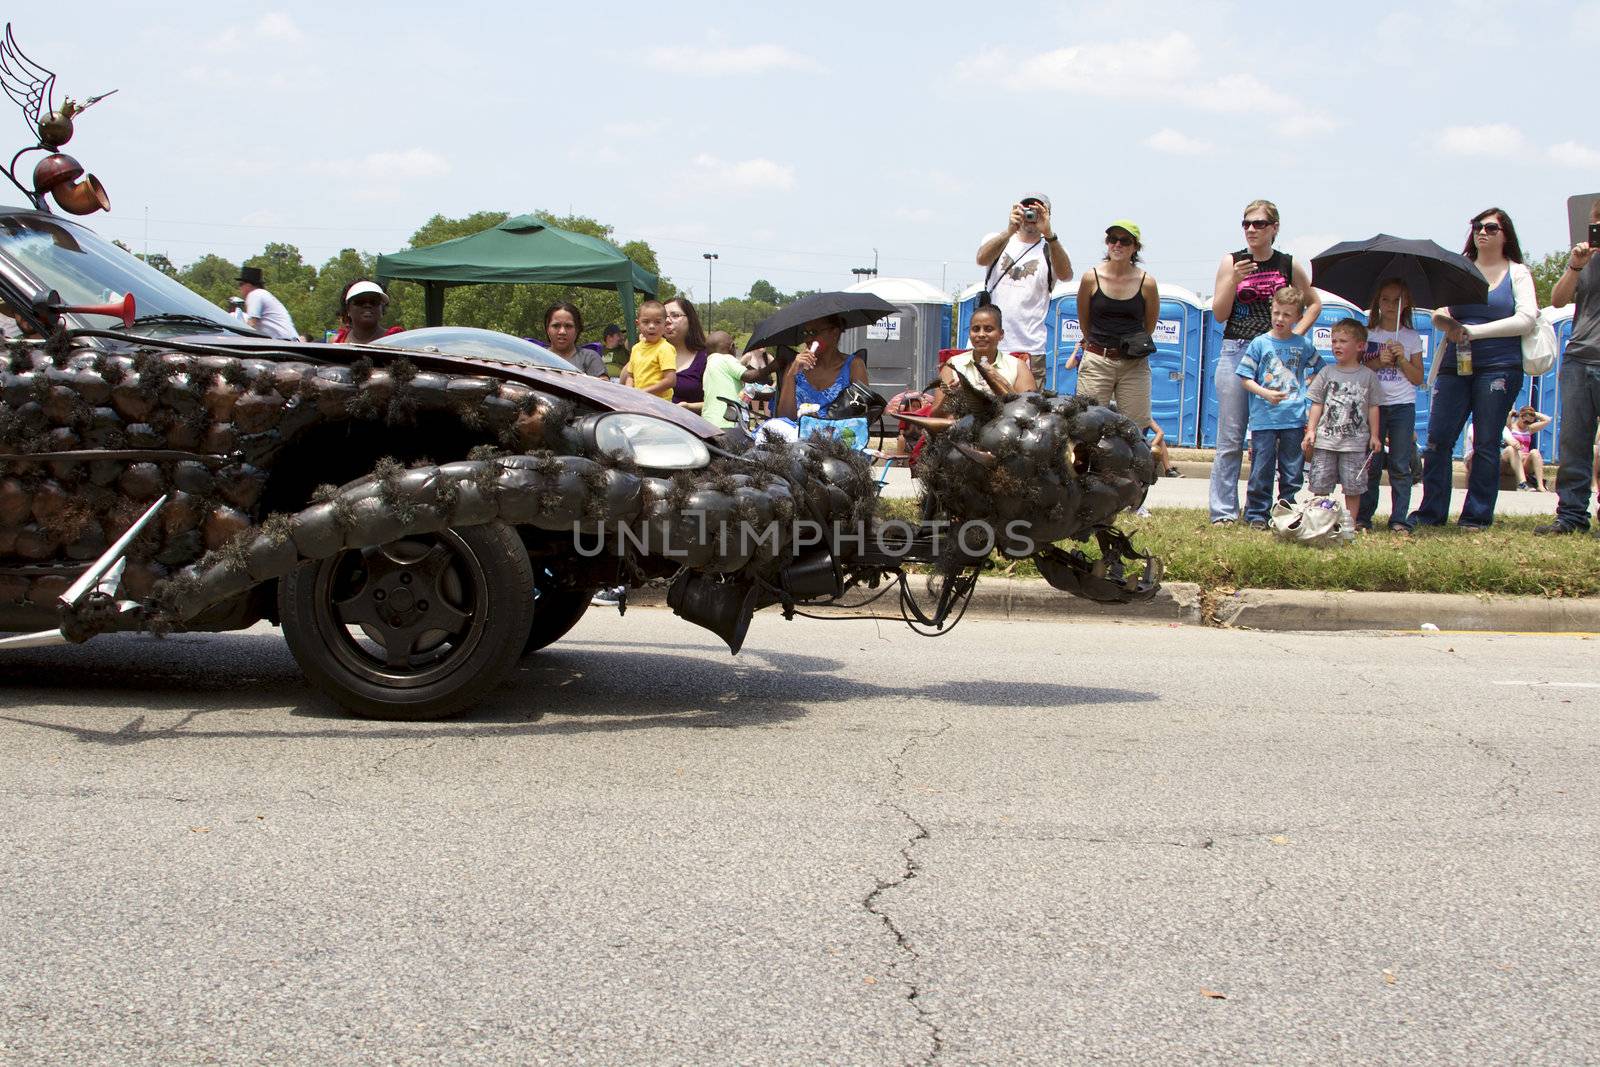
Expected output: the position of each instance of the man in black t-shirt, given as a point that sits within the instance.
(1580, 386)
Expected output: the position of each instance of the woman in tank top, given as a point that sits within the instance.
(1116, 300)
(1242, 301)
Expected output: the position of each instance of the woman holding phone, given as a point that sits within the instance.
(1479, 373)
(1246, 280)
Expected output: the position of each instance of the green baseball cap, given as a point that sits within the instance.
(1128, 225)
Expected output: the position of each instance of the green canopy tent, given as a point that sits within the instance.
(519, 250)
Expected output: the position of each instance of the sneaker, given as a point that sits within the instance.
(1222, 522)
(1524, 488)
(608, 598)
(1172, 472)
(1555, 528)
(1143, 512)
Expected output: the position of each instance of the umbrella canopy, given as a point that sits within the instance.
(783, 327)
(1437, 278)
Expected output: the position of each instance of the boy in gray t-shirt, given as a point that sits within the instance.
(1342, 429)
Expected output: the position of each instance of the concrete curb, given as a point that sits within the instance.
(1265, 609)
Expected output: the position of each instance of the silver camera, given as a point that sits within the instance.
(1030, 215)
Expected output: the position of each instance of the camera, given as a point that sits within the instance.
(1030, 215)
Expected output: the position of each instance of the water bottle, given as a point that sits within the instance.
(1463, 356)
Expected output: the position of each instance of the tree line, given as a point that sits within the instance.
(311, 293)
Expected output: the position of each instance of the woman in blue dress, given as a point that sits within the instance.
(816, 376)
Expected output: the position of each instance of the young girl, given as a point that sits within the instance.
(1522, 426)
(1394, 352)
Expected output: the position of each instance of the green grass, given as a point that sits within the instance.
(1507, 559)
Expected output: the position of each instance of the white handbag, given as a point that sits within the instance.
(1317, 521)
(1539, 349)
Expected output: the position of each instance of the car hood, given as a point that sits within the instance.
(583, 389)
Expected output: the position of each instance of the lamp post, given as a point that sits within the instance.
(864, 272)
(709, 257)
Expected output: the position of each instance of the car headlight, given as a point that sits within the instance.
(650, 442)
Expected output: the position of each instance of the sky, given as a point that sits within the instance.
(797, 142)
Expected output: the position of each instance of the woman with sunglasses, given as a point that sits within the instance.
(1246, 280)
(1117, 300)
(1478, 374)
(815, 376)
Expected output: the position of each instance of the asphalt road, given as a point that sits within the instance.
(1021, 843)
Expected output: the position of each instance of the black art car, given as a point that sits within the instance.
(417, 520)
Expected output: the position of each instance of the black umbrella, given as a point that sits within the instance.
(1437, 278)
(783, 327)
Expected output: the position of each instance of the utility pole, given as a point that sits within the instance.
(709, 257)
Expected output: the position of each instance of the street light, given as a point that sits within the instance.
(864, 272)
(709, 257)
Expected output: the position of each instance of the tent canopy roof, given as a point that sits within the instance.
(522, 249)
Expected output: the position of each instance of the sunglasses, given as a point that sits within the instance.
(1119, 239)
(1485, 227)
(1256, 224)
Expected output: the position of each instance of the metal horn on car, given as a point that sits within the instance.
(62, 177)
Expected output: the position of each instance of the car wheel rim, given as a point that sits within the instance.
(404, 614)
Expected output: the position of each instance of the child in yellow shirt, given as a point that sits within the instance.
(653, 363)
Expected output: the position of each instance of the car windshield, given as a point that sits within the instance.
(84, 268)
(479, 344)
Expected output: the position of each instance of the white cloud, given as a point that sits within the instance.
(1495, 139)
(711, 61)
(1573, 154)
(386, 167)
(1178, 144)
(742, 176)
(274, 27)
(1169, 69)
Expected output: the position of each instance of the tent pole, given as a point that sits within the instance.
(629, 322)
(433, 303)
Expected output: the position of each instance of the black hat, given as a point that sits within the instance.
(252, 275)
(611, 329)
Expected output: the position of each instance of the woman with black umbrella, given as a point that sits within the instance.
(815, 376)
(1479, 374)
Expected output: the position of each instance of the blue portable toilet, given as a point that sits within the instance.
(1175, 366)
(1548, 395)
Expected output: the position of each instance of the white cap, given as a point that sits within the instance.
(362, 289)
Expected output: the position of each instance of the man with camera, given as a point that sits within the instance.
(1024, 261)
(1580, 382)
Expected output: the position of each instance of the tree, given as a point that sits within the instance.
(1548, 271)
(765, 291)
(212, 277)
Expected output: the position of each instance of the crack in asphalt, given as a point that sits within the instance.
(910, 868)
(401, 751)
(1509, 787)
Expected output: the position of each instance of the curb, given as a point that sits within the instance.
(1267, 609)
(1199, 468)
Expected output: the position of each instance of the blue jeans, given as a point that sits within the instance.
(1274, 452)
(1486, 395)
(1580, 412)
(1397, 426)
(1233, 411)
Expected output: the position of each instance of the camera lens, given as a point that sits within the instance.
(1030, 215)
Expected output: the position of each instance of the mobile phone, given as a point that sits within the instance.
(1594, 235)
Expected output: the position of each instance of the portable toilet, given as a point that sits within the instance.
(1548, 392)
(1061, 338)
(1175, 366)
(902, 348)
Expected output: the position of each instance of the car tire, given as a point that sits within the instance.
(555, 613)
(416, 629)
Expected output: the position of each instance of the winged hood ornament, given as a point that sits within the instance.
(32, 88)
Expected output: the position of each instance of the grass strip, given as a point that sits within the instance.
(1505, 560)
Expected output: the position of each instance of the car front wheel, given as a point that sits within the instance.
(419, 628)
